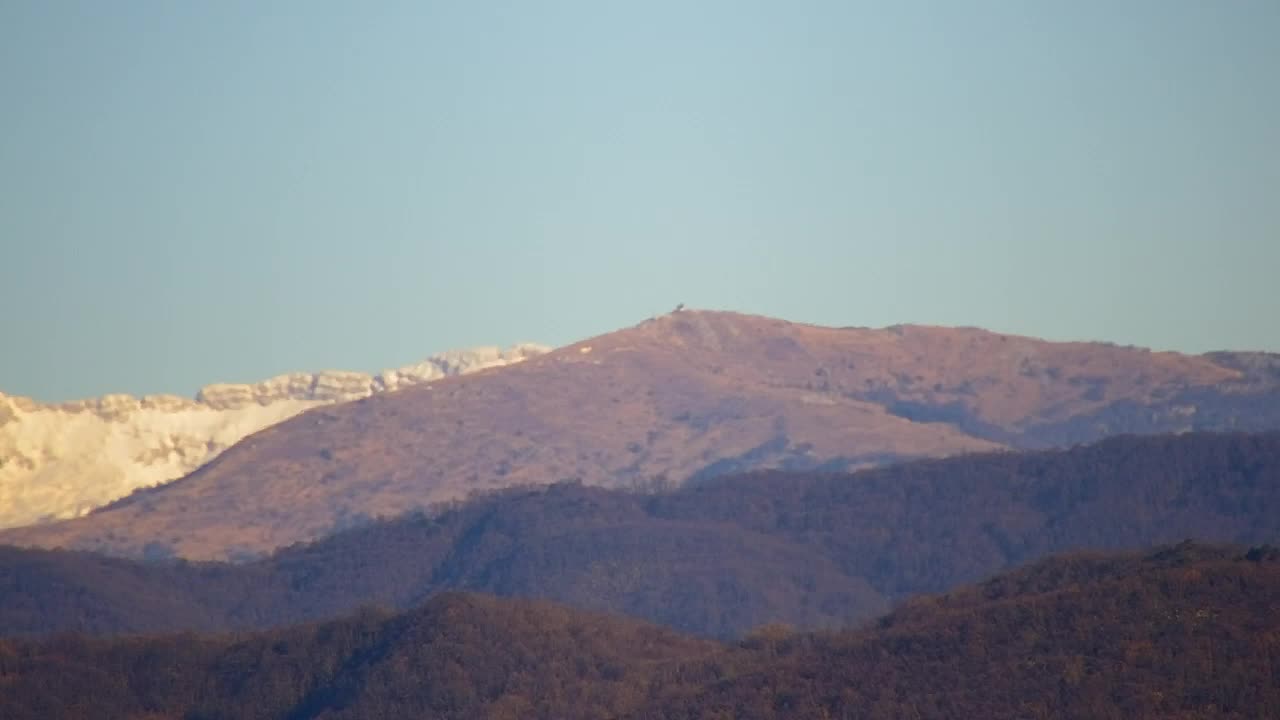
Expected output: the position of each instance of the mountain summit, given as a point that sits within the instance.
(685, 396)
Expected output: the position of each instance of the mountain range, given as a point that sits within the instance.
(798, 510)
(63, 460)
(680, 398)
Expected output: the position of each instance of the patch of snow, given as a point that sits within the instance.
(63, 460)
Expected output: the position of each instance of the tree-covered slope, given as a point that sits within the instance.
(716, 559)
(1186, 631)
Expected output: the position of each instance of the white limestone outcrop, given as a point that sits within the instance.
(62, 460)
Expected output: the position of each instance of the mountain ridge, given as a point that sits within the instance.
(60, 460)
(685, 396)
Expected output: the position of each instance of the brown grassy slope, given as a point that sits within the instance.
(671, 396)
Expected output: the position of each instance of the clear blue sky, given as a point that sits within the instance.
(203, 191)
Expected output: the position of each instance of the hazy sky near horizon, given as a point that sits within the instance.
(222, 191)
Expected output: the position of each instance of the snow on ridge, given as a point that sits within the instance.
(62, 460)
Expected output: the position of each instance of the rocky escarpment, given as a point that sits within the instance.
(62, 460)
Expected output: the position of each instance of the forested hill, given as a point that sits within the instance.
(458, 656)
(715, 559)
(1185, 631)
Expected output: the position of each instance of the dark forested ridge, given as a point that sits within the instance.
(1186, 631)
(714, 559)
(458, 656)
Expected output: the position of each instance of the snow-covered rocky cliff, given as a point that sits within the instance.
(63, 460)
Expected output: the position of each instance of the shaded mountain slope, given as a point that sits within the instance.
(717, 558)
(1187, 631)
(687, 395)
(458, 656)
(1184, 632)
